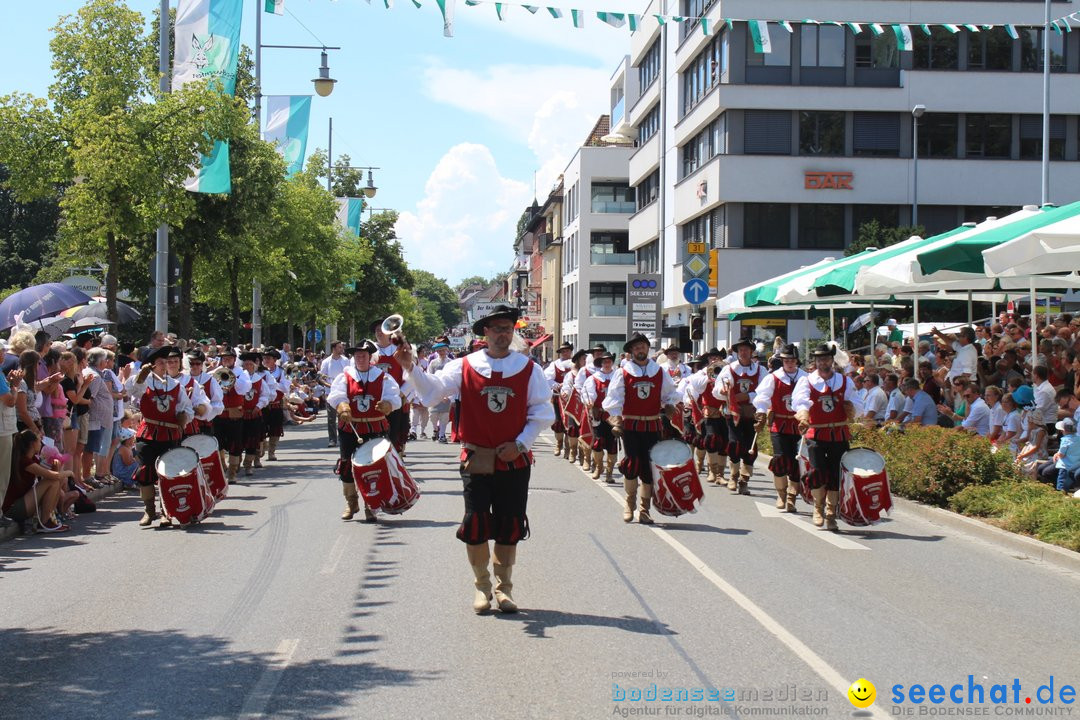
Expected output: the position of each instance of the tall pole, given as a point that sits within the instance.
(256, 286)
(161, 250)
(914, 172)
(328, 337)
(1046, 112)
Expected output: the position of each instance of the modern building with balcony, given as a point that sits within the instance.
(596, 204)
(775, 160)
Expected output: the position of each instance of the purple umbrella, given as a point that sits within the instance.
(39, 301)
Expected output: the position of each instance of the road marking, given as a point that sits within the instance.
(839, 541)
(260, 695)
(336, 553)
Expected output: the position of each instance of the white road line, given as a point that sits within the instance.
(770, 511)
(260, 695)
(336, 553)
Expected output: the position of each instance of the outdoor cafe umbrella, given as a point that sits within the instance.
(96, 308)
(1047, 250)
(39, 301)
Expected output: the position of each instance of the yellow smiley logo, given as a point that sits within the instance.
(862, 693)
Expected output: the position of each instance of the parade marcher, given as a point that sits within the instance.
(675, 366)
(584, 444)
(385, 360)
(229, 425)
(166, 410)
(555, 372)
(274, 412)
(593, 393)
(194, 378)
(714, 427)
(692, 417)
(572, 451)
(505, 403)
(639, 395)
(736, 384)
(773, 404)
(256, 398)
(330, 368)
(825, 402)
(362, 396)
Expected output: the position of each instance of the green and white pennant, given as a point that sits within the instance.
(612, 19)
(759, 33)
(903, 37)
(277, 7)
(578, 18)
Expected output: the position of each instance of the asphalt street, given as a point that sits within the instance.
(274, 607)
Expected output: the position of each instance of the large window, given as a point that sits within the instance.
(650, 125)
(1031, 50)
(607, 299)
(876, 51)
(570, 206)
(569, 298)
(617, 197)
(822, 45)
(767, 132)
(779, 39)
(988, 135)
(877, 134)
(613, 343)
(570, 254)
(648, 257)
(704, 72)
(990, 50)
(821, 133)
(938, 51)
(649, 190)
(1031, 134)
(704, 146)
(649, 69)
(693, 11)
(766, 225)
(610, 248)
(821, 227)
(698, 230)
(937, 135)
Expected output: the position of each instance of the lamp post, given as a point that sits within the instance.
(916, 113)
(1045, 117)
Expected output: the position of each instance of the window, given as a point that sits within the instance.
(613, 343)
(876, 51)
(779, 39)
(719, 228)
(649, 69)
(937, 135)
(766, 225)
(1031, 137)
(610, 248)
(767, 132)
(693, 11)
(979, 213)
(570, 254)
(887, 216)
(704, 72)
(821, 227)
(649, 190)
(650, 125)
(570, 302)
(877, 134)
(617, 197)
(607, 299)
(704, 146)
(648, 257)
(571, 204)
(990, 50)
(821, 133)
(822, 45)
(989, 135)
(697, 230)
(940, 50)
(1031, 50)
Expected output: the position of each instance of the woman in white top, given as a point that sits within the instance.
(1010, 426)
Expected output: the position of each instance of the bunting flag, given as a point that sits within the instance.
(612, 19)
(287, 120)
(705, 28)
(389, 4)
(277, 7)
(498, 10)
(786, 25)
(633, 20)
(207, 34)
(349, 212)
(926, 30)
(531, 8)
(972, 28)
(876, 29)
(446, 7)
(1011, 30)
(951, 28)
(578, 18)
(903, 37)
(555, 12)
(855, 28)
(759, 31)
(660, 19)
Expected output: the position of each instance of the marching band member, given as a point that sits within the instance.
(736, 384)
(636, 397)
(200, 403)
(825, 402)
(692, 417)
(229, 425)
(256, 398)
(274, 412)
(572, 451)
(363, 396)
(208, 405)
(675, 366)
(585, 447)
(773, 403)
(505, 403)
(556, 372)
(593, 393)
(714, 429)
(165, 409)
(385, 360)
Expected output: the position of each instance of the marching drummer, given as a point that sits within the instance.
(165, 409)
(229, 425)
(363, 396)
(825, 403)
(384, 359)
(556, 372)
(594, 391)
(573, 451)
(256, 398)
(714, 431)
(736, 384)
(505, 403)
(639, 393)
(773, 404)
(274, 412)
(209, 405)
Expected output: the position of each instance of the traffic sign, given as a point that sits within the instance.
(696, 291)
(696, 248)
(314, 336)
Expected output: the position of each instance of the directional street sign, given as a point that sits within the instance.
(696, 291)
(696, 261)
(643, 301)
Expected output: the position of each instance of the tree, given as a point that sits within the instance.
(27, 235)
(874, 234)
(382, 275)
(443, 301)
(476, 280)
(347, 181)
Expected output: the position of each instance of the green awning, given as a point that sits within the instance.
(965, 255)
(765, 293)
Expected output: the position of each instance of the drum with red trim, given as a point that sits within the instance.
(213, 470)
(676, 487)
(185, 497)
(382, 479)
(864, 487)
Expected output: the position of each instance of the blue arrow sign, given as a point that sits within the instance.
(696, 291)
(314, 335)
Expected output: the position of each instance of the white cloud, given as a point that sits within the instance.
(466, 221)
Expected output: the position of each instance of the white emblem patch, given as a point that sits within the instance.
(827, 403)
(497, 397)
(787, 403)
(363, 403)
(644, 389)
(163, 402)
(744, 385)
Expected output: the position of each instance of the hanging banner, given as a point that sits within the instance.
(207, 43)
(277, 7)
(287, 118)
(349, 211)
(759, 33)
(903, 37)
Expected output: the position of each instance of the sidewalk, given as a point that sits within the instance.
(96, 496)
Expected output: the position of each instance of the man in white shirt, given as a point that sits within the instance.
(332, 367)
(977, 420)
(967, 352)
(737, 385)
(876, 400)
(1045, 404)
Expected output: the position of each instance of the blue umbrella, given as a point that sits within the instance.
(39, 301)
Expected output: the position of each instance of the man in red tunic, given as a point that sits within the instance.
(714, 431)
(639, 394)
(737, 384)
(773, 403)
(555, 372)
(385, 361)
(594, 391)
(505, 403)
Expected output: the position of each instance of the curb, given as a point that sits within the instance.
(96, 496)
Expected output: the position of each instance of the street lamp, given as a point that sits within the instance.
(916, 113)
(324, 84)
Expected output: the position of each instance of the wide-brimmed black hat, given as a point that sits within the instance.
(272, 353)
(715, 351)
(788, 352)
(565, 346)
(636, 338)
(160, 353)
(499, 312)
(598, 348)
(744, 340)
(367, 346)
(673, 348)
(122, 360)
(579, 354)
(196, 355)
(252, 355)
(227, 351)
(824, 350)
(597, 362)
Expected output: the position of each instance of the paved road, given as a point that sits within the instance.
(273, 607)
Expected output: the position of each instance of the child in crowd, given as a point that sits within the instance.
(125, 464)
(1067, 458)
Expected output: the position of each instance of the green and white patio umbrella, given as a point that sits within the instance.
(1047, 250)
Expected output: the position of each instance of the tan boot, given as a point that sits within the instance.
(479, 559)
(630, 485)
(271, 448)
(597, 464)
(609, 472)
(568, 452)
(793, 490)
(711, 477)
(733, 479)
(558, 444)
(259, 454)
(702, 461)
(148, 495)
(819, 505)
(643, 508)
(780, 482)
(352, 501)
(247, 465)
(586, 455)
(744, 479)
(832, 503)
(369, 515)
(503, 566)
(721, 468)
(234, 468)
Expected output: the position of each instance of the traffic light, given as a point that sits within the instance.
(697, 327)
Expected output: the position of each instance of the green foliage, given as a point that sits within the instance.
(346, 180)
(476, 280)
(874, 234)
(1024, 507)
(27, 235)
(385, 273)
(439, 296)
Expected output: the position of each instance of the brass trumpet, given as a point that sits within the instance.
(226, 378)
(392, 326)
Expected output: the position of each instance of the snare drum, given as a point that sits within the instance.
(676, 487)
(864, 488)
(207, 448)
(382, 479)
(185, 497)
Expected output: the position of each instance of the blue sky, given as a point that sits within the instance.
(458, 125)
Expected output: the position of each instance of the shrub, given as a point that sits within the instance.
(1024, 507)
